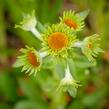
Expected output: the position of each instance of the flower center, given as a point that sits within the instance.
(33, 59)
(71, 23)
(57, 41)
(90, 45)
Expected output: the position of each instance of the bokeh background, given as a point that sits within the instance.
(18, 91)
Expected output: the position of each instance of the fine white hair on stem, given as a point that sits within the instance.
(43, 54)
(78, 44)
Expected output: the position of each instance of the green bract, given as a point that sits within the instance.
(30, 60)
(72, 20)
(58, 39)
(91, 47)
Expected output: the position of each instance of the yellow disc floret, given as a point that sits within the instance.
(72, 20)
(30, 60)
(57, 41)
(33, 59)
(71, 23)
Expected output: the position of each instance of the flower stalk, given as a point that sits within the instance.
(36, 33)
(78, 44)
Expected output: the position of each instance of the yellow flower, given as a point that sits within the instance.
(72, 20)
(91, 47)
(58, 39)
(30, 60)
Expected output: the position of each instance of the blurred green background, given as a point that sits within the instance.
(18, 91)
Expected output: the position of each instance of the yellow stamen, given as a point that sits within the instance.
(90, 45)
(71, 23)
(57, 41)
(33, 59)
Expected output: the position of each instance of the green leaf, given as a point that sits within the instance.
(27, 104)
(2, 27)
(44, 10)
(83, 14)
(51, 82)
(84, 64)
(4, 106)
(72, 91)
(31, 91)
(8, 86)
(74, 104)
(40, 27)
(94, 98)
(53, 12)
(48, 63)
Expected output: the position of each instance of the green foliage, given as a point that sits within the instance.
(8, 87)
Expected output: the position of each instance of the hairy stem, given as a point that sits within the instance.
(36, 33)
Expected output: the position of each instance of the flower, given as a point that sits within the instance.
(30, 60)
(72, 20)
(68, 83)
(28, 22)
(57, 39)
(91, 47)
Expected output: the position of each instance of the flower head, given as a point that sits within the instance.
(28, 23)
(57, 39)
(30, 60)
(72, 20)
(91, 47)
(68, 83)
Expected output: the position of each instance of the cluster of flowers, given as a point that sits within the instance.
(58, 40)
